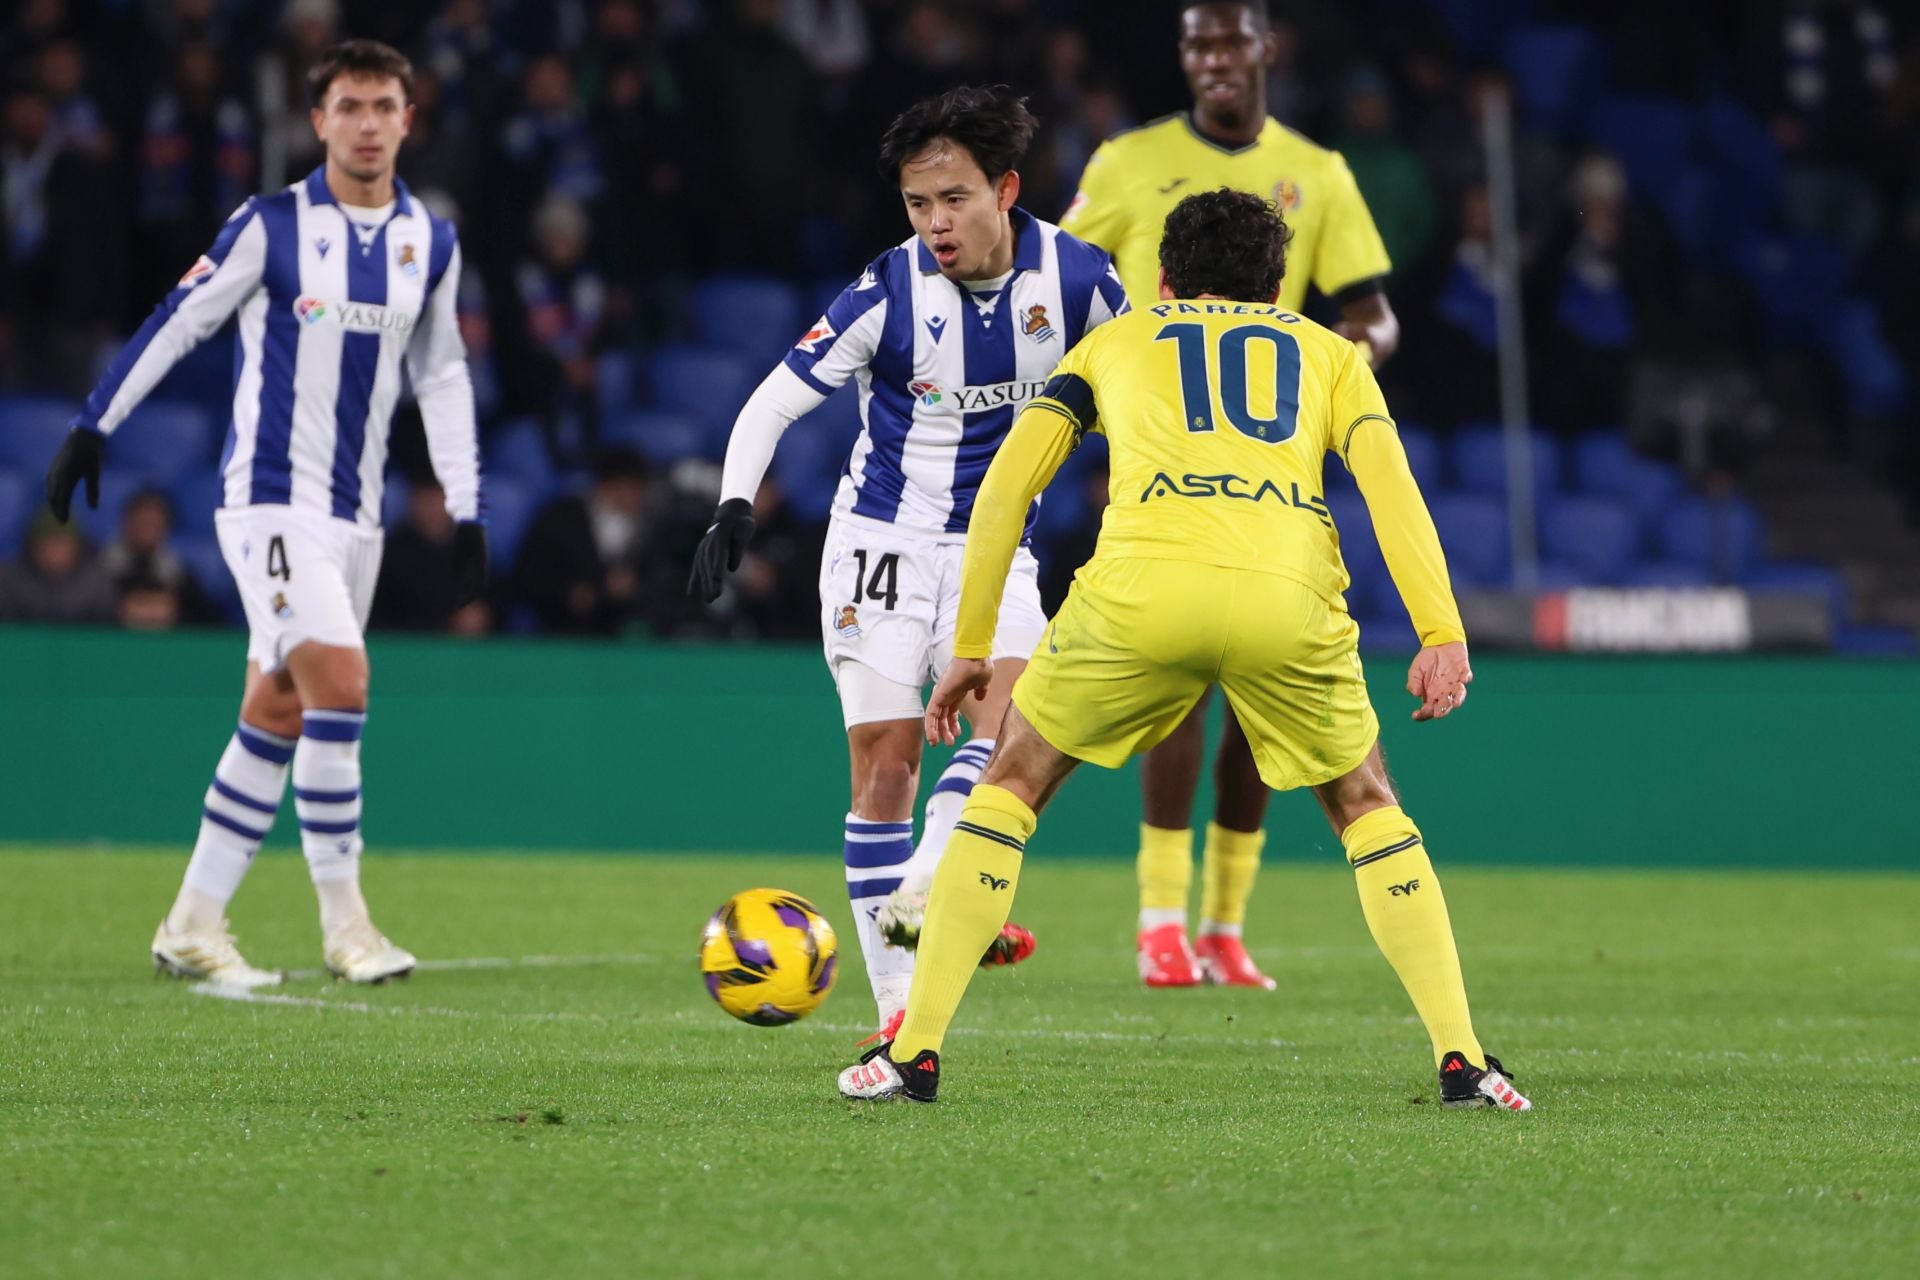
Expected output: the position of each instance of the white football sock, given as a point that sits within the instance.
(943, 810)
(877, 854)
(1154, 917)
(238, 812)
(326, 792)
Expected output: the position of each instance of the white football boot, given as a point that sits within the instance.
(361, 953)
(878, 1078)
(209, 955)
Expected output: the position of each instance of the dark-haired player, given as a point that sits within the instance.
(338, 281)
(946, 335)
(1131, 183)
(1217, 564)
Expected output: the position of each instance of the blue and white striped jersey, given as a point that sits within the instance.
(942, 369)
(328, 311)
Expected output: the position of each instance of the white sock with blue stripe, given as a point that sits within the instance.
(943, 810)
(326, 793)
(238, 812)
(877, 854)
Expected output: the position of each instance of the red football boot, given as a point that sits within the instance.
(1012, 946)
(1225, 963)
(1166, 959)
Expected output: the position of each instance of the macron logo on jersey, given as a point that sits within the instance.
(359, 317)
(811, 340)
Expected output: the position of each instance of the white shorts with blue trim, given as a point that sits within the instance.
(302, 576)
(891, 631)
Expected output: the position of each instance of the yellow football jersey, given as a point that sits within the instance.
(1135, 179)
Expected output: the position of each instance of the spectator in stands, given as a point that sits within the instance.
(470, 62)
(60, 74)
(831, 34)
(416, 591)
(585, 567)
(55, 579)
(778, 594)
(548, 141)
(563, 302)
(1390, 174)
(196, 166)
(438, 163)
(1452, 374)
(156, 589)
(288, 148)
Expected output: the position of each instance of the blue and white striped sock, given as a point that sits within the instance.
(943, 809)
(326, 793)
(237, 814)
(876, 855)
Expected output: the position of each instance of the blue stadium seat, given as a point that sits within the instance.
(1473, 532)
(102, 524)
(1425, 458)
(616, 381)
(1796, 283)
(1668, 574)
(662, 438)
(1556, 70)
(1479, 27)
(31, 429)
(163, 439)
(20, 497)
(517, 450)
(705, 383)
(1875, 642)
(1480, 461)
(1602, 463)
(1741, 148)
(1597, 538)
(752, 316)
(201, 555)
(196, 496)
(1722, 537)
(1651, 135)
(511, 507)
(1388, 633)
(807, 465)
(1358, 548)
(819, 296)
(1558, 575)
(1801, 577)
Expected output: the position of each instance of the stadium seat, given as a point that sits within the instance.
(820, 295)
(511, 507)
(1473, 532)
(1651, 135)
(1480, 461)
(1602, 463)
(808, 465)
(102, 524)
(705, 383)
(1722, 537)
(1796, 283)
(1358, 547)
(1388, 633)
(1668, 574)
(1425, 458)
(1597, 538)
(1801, 577)
(163, 439)
(1556, 70)
(517, 450)
(31, 429)
(201, 555)
(662, 438)
(196, 495)
(1742, 149)
(1876, 642)
(755, 317)
(616, 381)
(20, 498)
(1479, 27)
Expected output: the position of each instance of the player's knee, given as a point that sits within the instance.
(884, 787)
(273, 709)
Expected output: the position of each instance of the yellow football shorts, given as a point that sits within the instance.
(1138, 641)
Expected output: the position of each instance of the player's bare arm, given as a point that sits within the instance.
(1369, 323)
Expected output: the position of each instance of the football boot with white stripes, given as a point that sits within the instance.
(878, 1078)
(361, 953)
(1464, 1085)
(209, 955)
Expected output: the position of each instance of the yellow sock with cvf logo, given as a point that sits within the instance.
(1408, 916)
(972, 897)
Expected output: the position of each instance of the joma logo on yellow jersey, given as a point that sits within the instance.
(1237, 487)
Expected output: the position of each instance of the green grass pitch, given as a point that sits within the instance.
(1726, 1069)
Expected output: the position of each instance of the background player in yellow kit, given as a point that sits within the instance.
(1217, 564)
(1130, 185)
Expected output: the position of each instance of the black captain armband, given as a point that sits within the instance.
(1071, 391)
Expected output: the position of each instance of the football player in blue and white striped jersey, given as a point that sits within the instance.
(339, 282)
(946, 335)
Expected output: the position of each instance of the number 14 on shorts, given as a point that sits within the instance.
(882, 584)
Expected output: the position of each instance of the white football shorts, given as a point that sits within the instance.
(889, 599)
(302, 576)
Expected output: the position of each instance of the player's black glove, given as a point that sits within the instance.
(721, 550)
(469, 562)
(78, 459)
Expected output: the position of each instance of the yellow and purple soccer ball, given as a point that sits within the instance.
(768, 957)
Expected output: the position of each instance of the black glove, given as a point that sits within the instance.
(469, 562)
(720, 551)
(78, 459)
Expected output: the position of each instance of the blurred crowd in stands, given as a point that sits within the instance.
(1719, 205)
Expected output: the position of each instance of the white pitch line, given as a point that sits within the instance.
(499, 962)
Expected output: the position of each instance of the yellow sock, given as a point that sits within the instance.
(1400, 895)
(1166, 874)
(971, 899)
(1227, 868)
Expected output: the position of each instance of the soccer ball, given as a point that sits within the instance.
(768, 957)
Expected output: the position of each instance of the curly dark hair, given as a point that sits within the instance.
(358, 58)
(1231, 244)
(990, 121)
